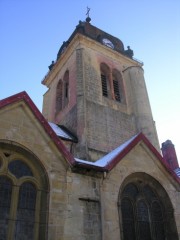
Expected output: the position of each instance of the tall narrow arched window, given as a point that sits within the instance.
(128, 219)
(25, 223)
(158, 221)
(143, 221)
(105, 81)
(144, 210)
(5, 203)
(66, 87)
(118, 88)
(23, 195)
(59, 96)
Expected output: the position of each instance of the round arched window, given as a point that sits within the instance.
(144, 210)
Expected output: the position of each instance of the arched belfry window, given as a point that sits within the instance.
(23, 195)
(66, 87)
(59, 96)
(118, 88)
(105, 81)
(112, 83)
(62, 92)
(145, 210)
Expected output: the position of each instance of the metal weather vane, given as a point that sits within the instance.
(88, 10)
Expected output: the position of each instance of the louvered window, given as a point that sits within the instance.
(104, 85)
(116, 90)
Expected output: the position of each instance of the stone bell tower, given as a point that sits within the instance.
(96, 89)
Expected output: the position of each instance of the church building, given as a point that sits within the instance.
(89, 167)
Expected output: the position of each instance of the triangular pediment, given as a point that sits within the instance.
(22, 122)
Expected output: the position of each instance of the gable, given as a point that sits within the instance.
(141, 160)
(21, 122)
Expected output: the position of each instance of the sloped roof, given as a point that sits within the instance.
(104, 164)
(109, 161)
(62, 133)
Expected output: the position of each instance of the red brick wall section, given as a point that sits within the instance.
(169, 154)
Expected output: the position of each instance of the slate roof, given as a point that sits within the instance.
(104, 164)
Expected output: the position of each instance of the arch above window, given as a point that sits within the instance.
(145, 204)
(23, 194)
(62, 92)
(112, 83)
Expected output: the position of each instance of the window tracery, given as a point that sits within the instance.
(143, 212)
(19, 169)
(23, 199)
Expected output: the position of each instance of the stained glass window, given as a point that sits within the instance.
(23, 215)
(131, 190)
(128, 219)
(19, 169)
(149, 194)
(26, 213)
(142, 215)
(5, 201)
(157, 218)
(143, 221)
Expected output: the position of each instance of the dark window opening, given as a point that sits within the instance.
(66, 89)
(104, 85)
(19, 169)
(143, 221)
(128, 219)
(59, 92)
(5, 201)
(116, 90)
(26, 213)
(142, 213)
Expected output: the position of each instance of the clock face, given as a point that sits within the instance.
(107, 42)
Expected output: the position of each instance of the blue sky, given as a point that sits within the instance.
(32, 32)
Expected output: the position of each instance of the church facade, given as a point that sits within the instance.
(88, 167)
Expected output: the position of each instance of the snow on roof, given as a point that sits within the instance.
(102, 162)
(177, 171)
(59, 132)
